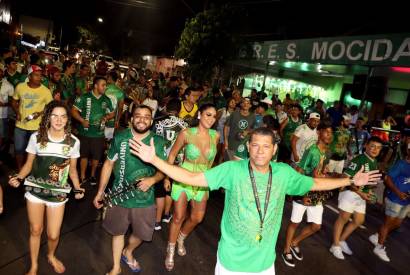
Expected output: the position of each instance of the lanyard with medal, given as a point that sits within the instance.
(257, 201)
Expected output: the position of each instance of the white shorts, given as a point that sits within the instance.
(109, 132)
(220, 270)
(34, 199)
(314, 213)
(336, 166)
(351, 202)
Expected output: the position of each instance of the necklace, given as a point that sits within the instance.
(257, 201)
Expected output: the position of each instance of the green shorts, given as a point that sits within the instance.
(192, 193)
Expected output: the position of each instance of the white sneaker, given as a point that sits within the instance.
(337, 252)
(380, 251)
(345, 248)
(374, 239)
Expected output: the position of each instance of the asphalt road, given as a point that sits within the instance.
(85, 248)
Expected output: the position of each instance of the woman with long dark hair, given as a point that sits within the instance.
(52, 154)
(200, 145)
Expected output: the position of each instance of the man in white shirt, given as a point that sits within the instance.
(6, 91)
(305, 135)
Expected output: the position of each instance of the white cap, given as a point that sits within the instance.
(314, 115)
(267, 101)
(347, 117)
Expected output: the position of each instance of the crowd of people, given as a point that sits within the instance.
(168, 140)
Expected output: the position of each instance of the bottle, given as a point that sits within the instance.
(102, 125)
(32, 116)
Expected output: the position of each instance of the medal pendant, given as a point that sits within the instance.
(259, 237)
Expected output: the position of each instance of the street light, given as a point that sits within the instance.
(99, 19)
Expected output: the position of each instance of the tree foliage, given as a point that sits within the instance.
(208, 40)
(88, 38)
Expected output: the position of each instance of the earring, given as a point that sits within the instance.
(199, 116)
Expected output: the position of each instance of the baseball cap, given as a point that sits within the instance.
(267, 101)
(34, 68)
(347, 117)
(53, 70)
(314, 115)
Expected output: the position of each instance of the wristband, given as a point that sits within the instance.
(351, 181)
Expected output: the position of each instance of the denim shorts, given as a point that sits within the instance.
(21, 138)
(396, 210)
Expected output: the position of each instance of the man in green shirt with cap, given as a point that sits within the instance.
(255, 191)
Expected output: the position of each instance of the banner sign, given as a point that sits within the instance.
(377, 50)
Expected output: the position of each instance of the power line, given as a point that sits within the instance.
(188, 6)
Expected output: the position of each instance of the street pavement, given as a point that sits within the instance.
(85, 248)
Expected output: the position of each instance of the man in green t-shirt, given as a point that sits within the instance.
(136, 205)
(11, 74)
(249, 230)
(340, 146)
(286, 130)
(312, 164)
(117, 98)
(81, 81)
(353, 201)
(92, 110)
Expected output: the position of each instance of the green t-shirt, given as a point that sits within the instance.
(48, 177)
(341, 138)
(238, 249)
(116, 95)
(16, 78)
(359, 161)
(289, 130)
(270, 112)
(81, 83)
(68, 86)
(49, 84)
(312, 158)
(129, 168)
(92, 109)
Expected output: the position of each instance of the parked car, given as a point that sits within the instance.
(108, 59)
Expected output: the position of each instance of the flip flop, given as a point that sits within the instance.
(131, 264)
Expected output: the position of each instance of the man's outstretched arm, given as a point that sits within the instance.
(360, 179)
(147, 154)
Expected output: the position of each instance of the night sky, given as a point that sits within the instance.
(157, 24)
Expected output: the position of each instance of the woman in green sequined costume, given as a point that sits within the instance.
(200, 146)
